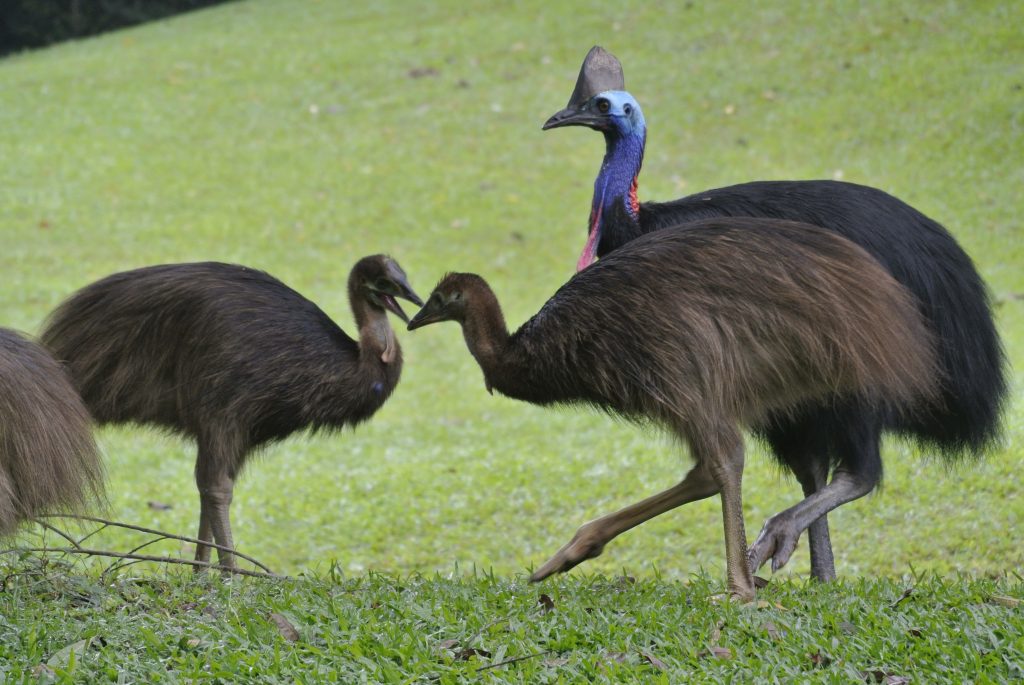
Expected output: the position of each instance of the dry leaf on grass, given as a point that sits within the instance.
(716, 652)
(469, 652)
(906, 593)
(653, 661)
(880, 676)
(43, 671)
(1003, 600)
(420, 72)
(285, 627)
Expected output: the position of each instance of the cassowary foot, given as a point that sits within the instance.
(777, 541)
(733, 595)
(586, 544)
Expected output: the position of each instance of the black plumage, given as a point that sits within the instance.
(917, 251)
(231, 357)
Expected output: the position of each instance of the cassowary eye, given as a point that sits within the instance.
(628, 109)
(603, 106)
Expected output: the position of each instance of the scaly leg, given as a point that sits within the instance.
(205, 534)
(780, 533)
(823, 565)
(802, 444)
(591, 538)
(215, 493)
(860, 469)
(726, 467)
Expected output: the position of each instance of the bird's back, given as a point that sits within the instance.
(732, 318)
(177, 344)
(919, 252)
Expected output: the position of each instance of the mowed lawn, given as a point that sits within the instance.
(296, 136)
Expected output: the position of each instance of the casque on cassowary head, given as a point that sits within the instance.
(821, 439)
(600, 72)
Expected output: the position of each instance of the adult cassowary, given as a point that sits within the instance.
(919, 253)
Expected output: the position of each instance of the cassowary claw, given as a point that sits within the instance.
(777, 541)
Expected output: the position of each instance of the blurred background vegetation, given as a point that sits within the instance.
(37, 23)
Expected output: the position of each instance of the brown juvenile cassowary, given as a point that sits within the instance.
(841, 438)
(48, 458)
(704, 332)
(231, 357)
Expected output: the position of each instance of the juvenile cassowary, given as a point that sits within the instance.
(817, 438)
(231, 357)
(704, 332)
(48, 458)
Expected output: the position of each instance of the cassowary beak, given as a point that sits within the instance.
(405, 291)
(571, 116)
(432, 312)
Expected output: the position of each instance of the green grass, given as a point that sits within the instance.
(380, 628)
(290, 136)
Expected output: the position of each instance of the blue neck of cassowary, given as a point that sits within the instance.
(615, 209)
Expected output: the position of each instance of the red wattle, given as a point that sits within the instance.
(589, 252)
(590, 249)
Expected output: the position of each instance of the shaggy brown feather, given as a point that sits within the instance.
(48, 458)
(231, 357)
(704, 331)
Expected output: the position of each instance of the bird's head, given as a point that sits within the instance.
(600, 100)
(449, 300)
(380, 280)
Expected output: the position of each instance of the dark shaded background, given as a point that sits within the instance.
(34, 23)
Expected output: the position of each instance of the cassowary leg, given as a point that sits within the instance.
(823, 565)
(802, 444)
(780, 533)
(591, 538)
(857, 446)
(205, 534)
(215, 493)
(858, 473)
(727, 470)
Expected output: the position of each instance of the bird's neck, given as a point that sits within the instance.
(615, 207)
(377, 341)
(487, 338)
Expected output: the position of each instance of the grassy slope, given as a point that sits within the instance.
(290, 136)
